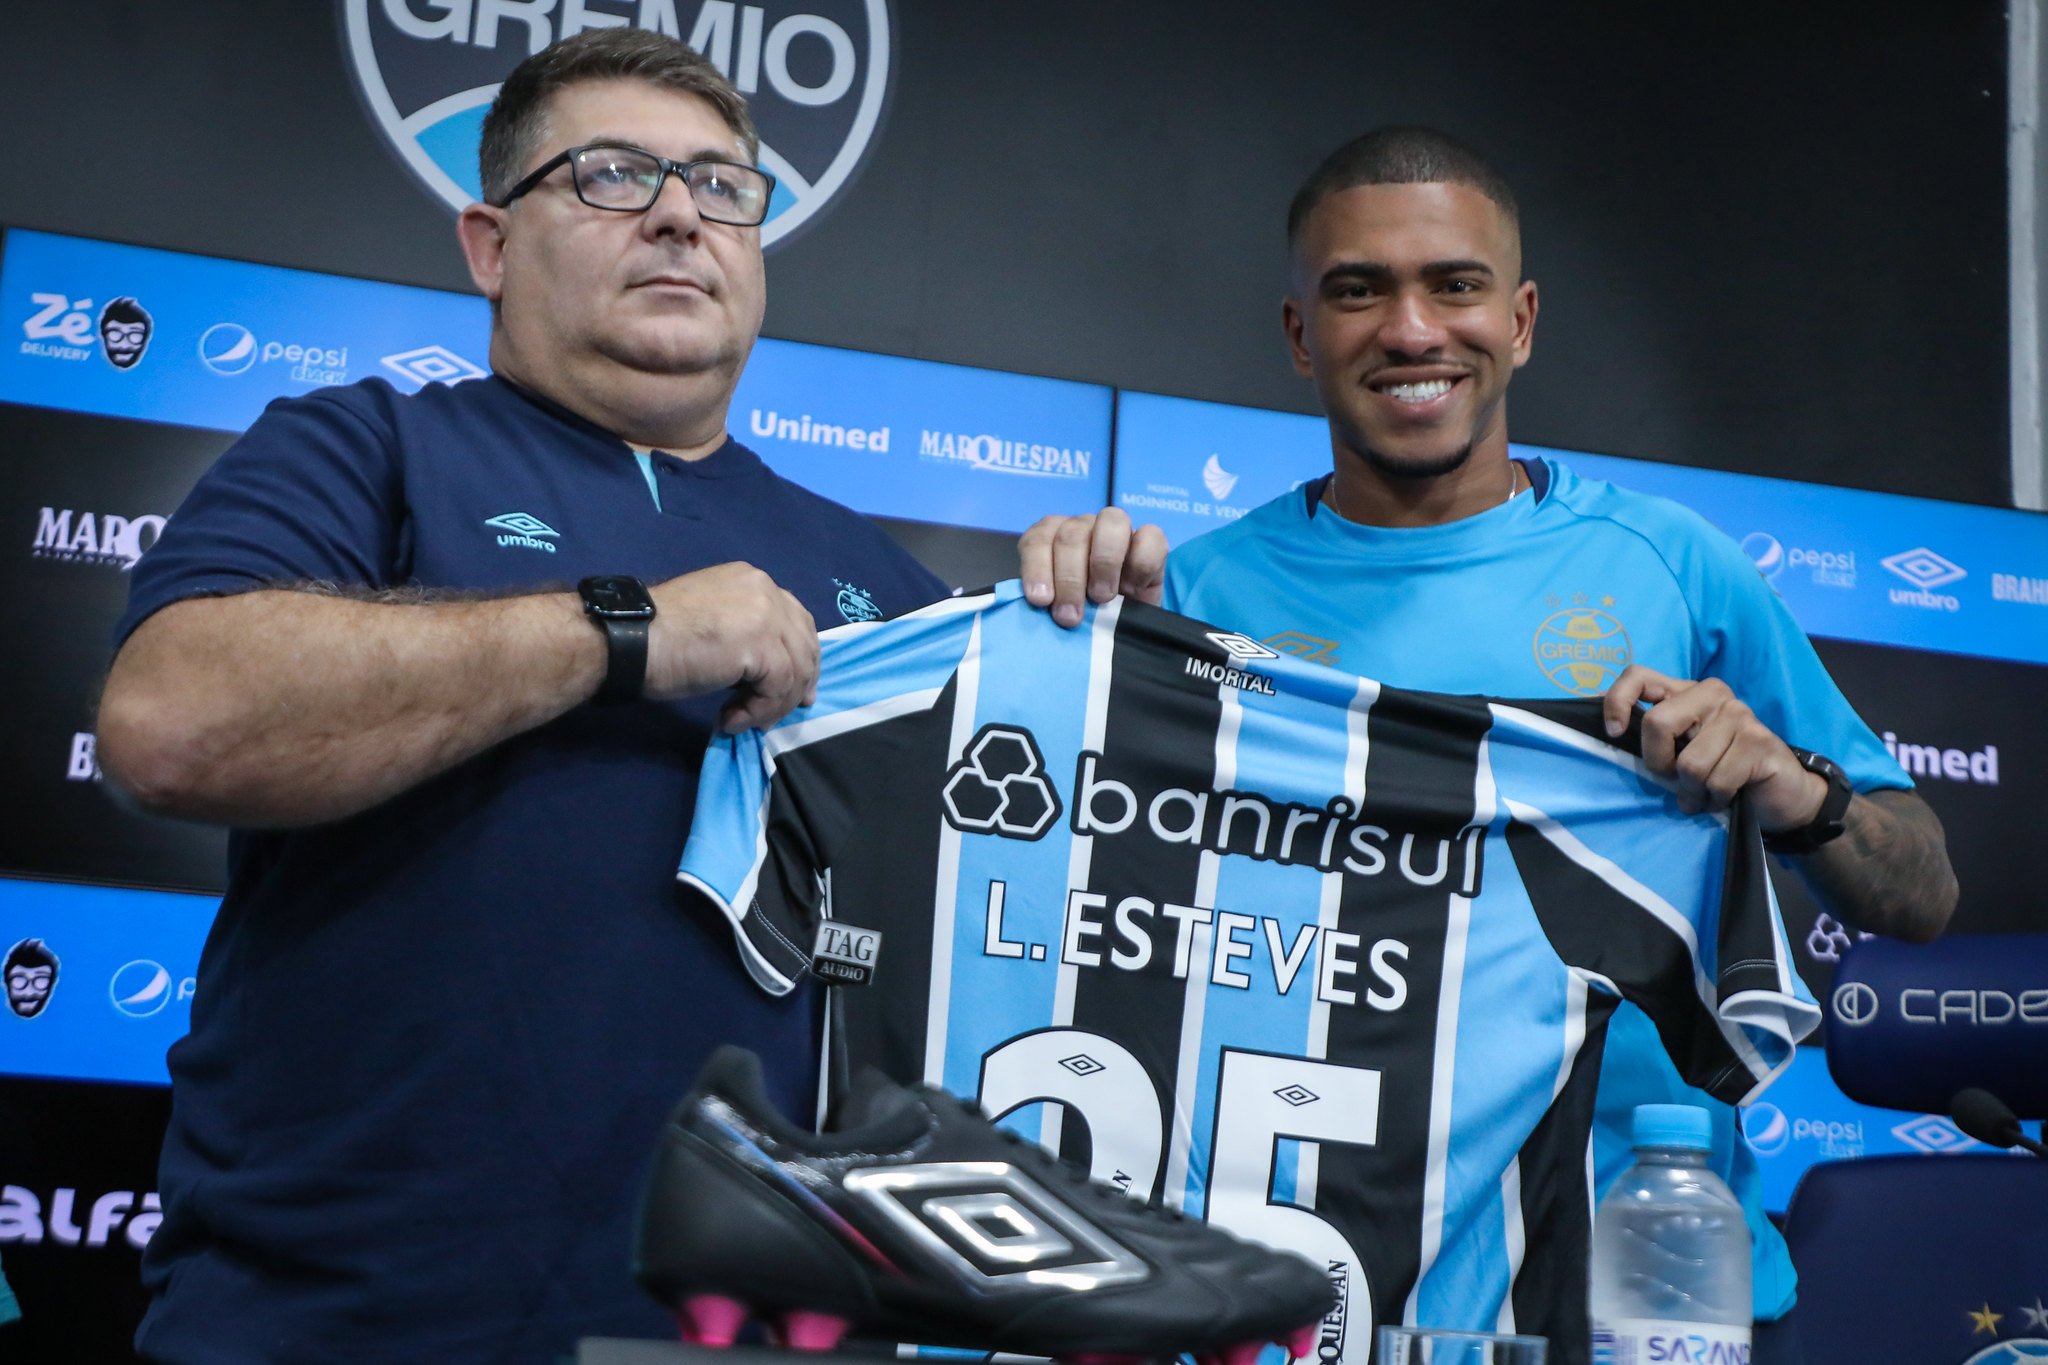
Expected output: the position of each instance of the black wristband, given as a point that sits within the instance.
(1826, 826)
(620, 606)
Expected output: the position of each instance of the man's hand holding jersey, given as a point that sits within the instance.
(1888, 872)
(730, 626)
(1069, 562)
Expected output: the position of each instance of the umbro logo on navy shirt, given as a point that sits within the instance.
(523, 528)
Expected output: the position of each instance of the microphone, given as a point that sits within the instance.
(1987, 1118)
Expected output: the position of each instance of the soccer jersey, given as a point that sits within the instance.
(1552, 593)
(1324, 961)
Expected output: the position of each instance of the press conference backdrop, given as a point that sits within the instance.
(127, 370)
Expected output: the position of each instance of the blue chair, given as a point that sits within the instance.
(1934, 1260)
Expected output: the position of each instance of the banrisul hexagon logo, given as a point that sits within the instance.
(815, 73)
(999, 786)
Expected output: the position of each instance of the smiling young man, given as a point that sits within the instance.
(1430, 559)
(452, 991)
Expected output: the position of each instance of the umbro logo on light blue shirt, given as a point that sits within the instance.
(523, 528)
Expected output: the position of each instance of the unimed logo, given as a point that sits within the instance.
(815, 74)
(1952, 765)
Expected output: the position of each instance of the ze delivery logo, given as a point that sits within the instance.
(815, 74)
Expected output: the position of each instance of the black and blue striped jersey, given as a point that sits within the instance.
(1326, 962)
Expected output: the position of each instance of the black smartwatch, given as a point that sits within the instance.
(1828, 824)
(620, 607)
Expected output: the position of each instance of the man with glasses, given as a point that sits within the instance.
(451, 991)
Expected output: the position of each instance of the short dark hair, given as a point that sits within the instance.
(123, 310)
(1399, 156)
(514, 122)
(30, 952)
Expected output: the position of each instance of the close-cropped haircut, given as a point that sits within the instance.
(1399, 156)
(519, 113)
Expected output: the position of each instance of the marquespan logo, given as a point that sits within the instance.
(815, 74)
(1582, 650)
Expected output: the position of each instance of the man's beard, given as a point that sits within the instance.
(1433, 467)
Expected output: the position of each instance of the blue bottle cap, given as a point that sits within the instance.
(1673, 1125)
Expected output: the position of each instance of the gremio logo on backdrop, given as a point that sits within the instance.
(815, 73)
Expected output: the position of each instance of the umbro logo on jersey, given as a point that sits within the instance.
(999, 786)
(1241, 649)
(1308, 648)
(523, 529)
(1239, 646)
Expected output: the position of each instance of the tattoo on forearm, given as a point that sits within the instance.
(1889, 871)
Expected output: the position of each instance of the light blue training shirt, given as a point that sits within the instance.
(1553, 593)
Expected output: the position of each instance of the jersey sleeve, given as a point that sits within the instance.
(1750, 641)
(312, 492)
(1671, 912)
(775, 808)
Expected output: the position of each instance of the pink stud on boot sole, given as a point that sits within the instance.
(1243, 1352)
(711, 1319)
(803, 1330)
(1301, 1342)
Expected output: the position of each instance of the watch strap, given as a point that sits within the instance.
(1828, 824)
(625, 674)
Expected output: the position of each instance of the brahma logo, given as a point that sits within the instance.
(815, 74)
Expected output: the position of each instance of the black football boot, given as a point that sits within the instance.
(917, 1220)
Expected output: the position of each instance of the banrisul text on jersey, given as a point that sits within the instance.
(1325, 962)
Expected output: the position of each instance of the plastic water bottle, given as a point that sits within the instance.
(1670, 1274)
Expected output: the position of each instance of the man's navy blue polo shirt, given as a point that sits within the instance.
(432, 1043)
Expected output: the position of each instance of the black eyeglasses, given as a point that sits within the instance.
(629, 180)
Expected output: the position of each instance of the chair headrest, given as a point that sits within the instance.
(1911, 1024)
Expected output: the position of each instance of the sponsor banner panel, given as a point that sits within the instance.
(1967, 730)
(1191, 466)
(78, 1203)
(217, 340)
(1872, 566)
(1850, 564)
(815, 74)
(131, 331)
(1805, 1118)
(99, 979)
(81, 498)
(921, 441)
(1973, 736)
